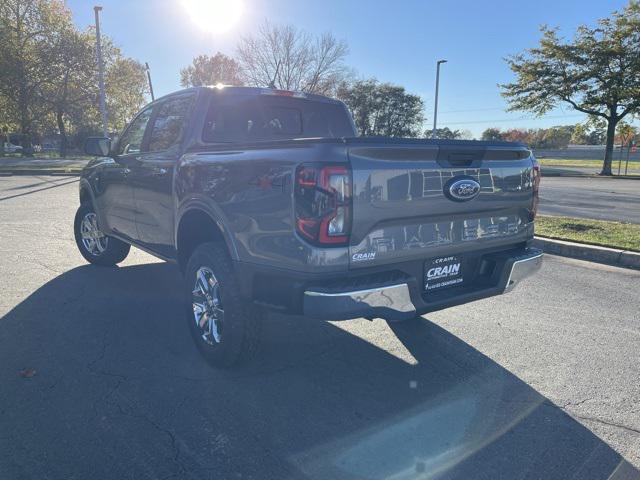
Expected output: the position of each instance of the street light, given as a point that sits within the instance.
(146, 64)
(435, 108)
(103, 108)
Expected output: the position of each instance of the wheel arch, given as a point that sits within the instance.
(195, 226)
(85, 192)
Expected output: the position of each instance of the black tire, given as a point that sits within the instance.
(239, 332)
(115, 250)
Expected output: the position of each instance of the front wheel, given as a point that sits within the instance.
(94, 245)
(224, 326)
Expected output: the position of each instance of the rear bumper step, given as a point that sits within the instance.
(523, 268)
(400, 301)
(385, 302)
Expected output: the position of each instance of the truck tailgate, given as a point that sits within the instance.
(404, 208)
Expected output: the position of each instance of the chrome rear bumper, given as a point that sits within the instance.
(523, 268)
(406, 300)
(385, 302)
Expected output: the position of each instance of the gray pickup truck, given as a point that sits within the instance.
(267, 200)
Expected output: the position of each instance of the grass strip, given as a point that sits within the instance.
(625, 236)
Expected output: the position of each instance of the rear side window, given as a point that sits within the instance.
(258, 118)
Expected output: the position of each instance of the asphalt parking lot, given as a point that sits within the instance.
(540, 383)
(614, 199)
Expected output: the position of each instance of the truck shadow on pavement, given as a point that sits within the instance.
(119, 391)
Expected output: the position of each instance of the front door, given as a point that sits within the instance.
(152, 176)
(116, 196)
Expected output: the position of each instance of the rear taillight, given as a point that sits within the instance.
(323, 204)
(535, 180)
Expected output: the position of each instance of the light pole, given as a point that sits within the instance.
(103, 107)
(435, 108)
(146, 64)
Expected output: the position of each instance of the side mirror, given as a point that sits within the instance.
(97, 146)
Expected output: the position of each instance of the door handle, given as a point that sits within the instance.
(126, 171)
(159, 171)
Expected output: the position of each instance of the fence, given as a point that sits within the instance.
(588, 152)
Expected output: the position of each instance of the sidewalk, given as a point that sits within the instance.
(41, 166)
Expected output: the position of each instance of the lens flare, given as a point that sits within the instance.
(215, 16)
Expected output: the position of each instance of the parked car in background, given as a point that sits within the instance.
(11, 148)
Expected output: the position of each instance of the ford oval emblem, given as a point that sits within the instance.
(462, 189)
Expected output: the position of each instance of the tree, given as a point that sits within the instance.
(48, 74)
(556, 137)
(596, 73)
(517, 135)
(68, 87)
(444, 133)
(383, 108)
(206, 70)
(580, 135)
(23, 28)
(286, 58)
(625, 133)
(492, 135)
(126, 89)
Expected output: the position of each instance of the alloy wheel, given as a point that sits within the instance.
(93, 240)
(208, 313)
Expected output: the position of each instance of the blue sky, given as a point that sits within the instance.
(397, 42)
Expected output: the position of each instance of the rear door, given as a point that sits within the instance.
(151, 176)
(405, 203)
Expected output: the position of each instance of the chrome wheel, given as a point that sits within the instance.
(93, 240)
(208, 313)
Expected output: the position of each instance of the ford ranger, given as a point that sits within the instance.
(267, 200)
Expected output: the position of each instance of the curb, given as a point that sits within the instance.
(592, 253)
(40, 171)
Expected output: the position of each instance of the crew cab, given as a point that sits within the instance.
(268, 200)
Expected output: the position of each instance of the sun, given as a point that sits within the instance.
(215, 16)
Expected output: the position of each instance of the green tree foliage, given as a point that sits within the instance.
(383, 109)
(126, 89)
(591, 132)
(48, 74)
(207, 70)
(66, 88)
(23, 35)
(492, 135)
(554, 137)
(625, 133)
(580, 135)
(445, 134)
(596, 73)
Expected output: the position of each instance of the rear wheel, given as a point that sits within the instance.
(224, 326)
(94, 245)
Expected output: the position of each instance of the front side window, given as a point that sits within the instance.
(131, 140)
(169, 124)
